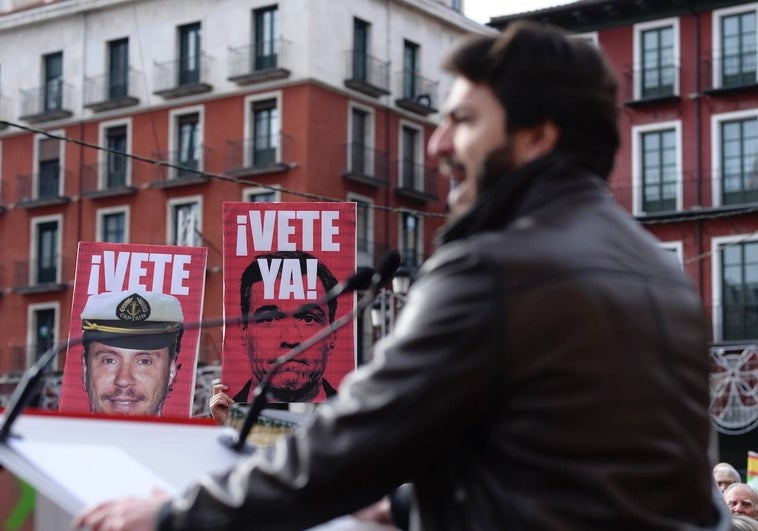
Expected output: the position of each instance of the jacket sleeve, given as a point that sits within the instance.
(428, 382)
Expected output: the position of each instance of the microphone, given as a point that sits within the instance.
(359, 280)
(387, 268)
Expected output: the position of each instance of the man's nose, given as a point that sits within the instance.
(124, 376)
(440, 143)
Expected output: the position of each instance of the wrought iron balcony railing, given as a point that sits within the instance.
(366, 74)
(112, 91)
(416, 181)
(251, 63)
(644, 85)
(365, 164)
(727, 72)
(262, 154)
(180, 77)
(52, 101)
(417, 93)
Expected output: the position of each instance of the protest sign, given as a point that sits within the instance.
(279, 261)
(130, 305)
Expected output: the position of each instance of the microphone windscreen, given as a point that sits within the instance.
(361, 279)
(389, 264)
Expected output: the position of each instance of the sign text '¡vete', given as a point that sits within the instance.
(121, 271)
(287, 230)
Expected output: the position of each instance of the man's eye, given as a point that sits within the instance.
(108, 361)
(144, 361)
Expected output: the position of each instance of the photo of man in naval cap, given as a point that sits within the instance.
(131, 343)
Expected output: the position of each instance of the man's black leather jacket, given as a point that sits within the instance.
(548, 372)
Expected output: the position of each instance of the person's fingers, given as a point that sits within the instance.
(219, 388)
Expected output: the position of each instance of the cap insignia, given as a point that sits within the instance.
(134, 308)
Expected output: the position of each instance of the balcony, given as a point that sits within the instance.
(40, 189)
(651, 86)
(38, 276)
(730, 74)
(180, 169)
(253, 157)
(111, 91)
(419, 94)
(107, 179)
(416, 182)
(365, 165)
(688, 196)
(248, 65)
(52, 101)
(174, 79)
(366, 74)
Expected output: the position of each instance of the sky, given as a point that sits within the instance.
(483, 10)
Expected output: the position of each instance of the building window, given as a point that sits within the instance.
(112, 225)
(360, 49)
(360, 151)
(364, 230)
(188, 144)
(186, 220)
(659, 171)
(411, 170)
(53, 88)
(409, 240)
(189, 54)
(42, 332)
(118, 69)
(115, 166)
(45, 269)
(739, 145)
(265, 132)
(738, 49)
(658, 62)
(266, 28)
(259, 194)
(410, 69)
(49, 168)
(657, 167)
(739, 290)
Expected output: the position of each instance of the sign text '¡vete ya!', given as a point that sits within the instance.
(287, 230)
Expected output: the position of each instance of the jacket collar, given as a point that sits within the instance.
(506, 197)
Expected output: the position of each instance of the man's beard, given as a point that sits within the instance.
(497, 163)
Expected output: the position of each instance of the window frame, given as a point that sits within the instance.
(418, 157)
(717, 242)
(31, 335)
(171, 225)
(249, 193)
(175, 115)
(639, 30)
(104, 157)
(717, 121)
(717, 16)
(35, 184)
(34, 244)
(419, 243)
(364, 258)
(100, 216)
(369, 145)
(250, 123)
(637, 177)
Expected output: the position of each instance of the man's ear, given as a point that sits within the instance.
(172, 372)
(531, 143)
(84, 373)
